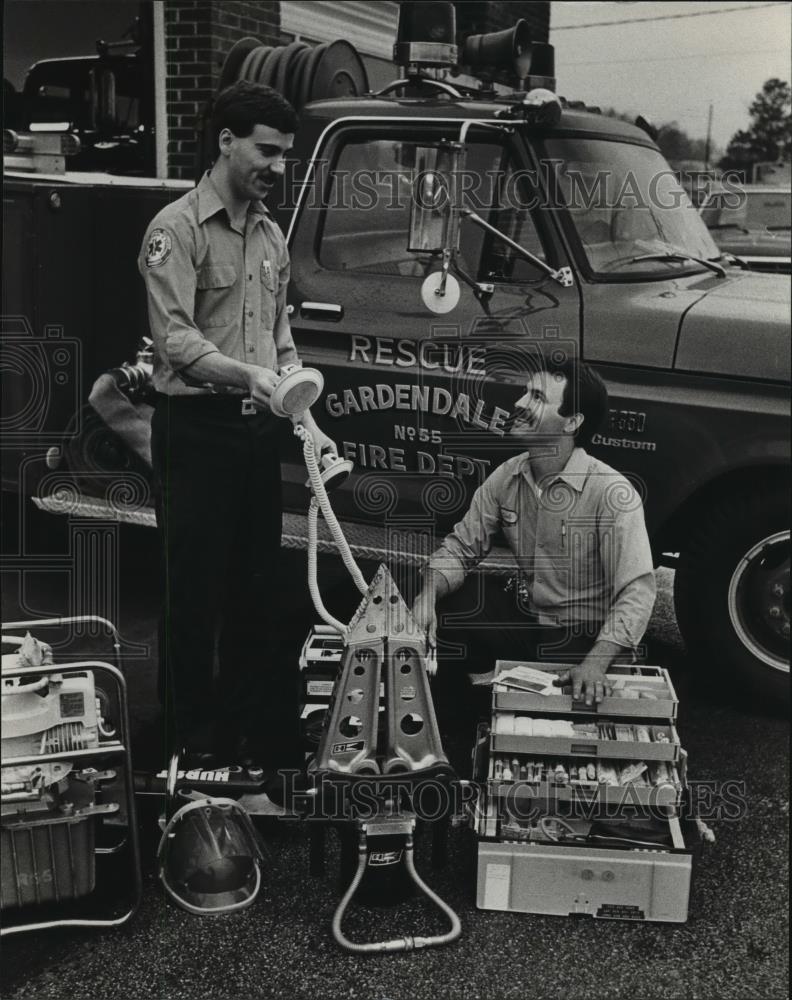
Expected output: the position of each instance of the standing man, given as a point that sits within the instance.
(216, 268)
(576, 527)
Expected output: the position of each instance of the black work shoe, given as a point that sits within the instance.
(239, 750)
(245, 753)
(198, 760)
(285, 786)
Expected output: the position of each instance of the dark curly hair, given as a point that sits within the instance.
(584, 392)
(244, 105)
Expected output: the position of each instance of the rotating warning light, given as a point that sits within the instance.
(426, 35)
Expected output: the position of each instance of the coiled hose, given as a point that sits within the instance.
(320, 501)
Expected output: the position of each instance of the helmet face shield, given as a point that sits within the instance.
(210, 858)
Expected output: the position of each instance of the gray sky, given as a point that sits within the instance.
(671, 69)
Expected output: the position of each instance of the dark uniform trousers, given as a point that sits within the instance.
(218, 481)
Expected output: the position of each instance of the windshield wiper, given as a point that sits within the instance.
(678, 255)
(729, 225)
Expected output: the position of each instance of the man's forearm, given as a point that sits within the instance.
(436, 585)
(219, 369)
(603, 653)
(630, 612)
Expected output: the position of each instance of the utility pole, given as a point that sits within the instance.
(709, 139)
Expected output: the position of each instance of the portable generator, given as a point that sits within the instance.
(56, 789)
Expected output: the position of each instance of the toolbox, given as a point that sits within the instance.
(579, 811)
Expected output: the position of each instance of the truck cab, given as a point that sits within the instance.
(620, 271)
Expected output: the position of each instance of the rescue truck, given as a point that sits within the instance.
(440, 232)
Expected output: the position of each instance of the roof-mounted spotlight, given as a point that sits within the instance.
(426, 35)
(538, 106)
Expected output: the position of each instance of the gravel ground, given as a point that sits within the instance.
(734, 944)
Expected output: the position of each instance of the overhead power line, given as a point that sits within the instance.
(665, 17)
(692, 55)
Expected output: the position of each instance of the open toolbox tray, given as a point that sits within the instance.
(584, 746)
(665, 794)
(651, 681)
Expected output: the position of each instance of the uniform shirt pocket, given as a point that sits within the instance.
(215, 295)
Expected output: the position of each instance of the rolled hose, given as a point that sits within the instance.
(408, 943)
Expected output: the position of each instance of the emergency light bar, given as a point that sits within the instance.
(426, 37)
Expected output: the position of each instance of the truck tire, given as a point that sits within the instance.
(731, 591)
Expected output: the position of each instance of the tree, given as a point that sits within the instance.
(674, 142)
(677, 145)
(769, 135)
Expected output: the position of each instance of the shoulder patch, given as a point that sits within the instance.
(509, 516)
(158, 247)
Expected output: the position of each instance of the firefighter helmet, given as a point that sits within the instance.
(210, 859)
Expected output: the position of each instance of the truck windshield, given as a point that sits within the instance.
(624, 202)
(745, 209)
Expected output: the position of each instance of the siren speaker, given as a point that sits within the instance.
(509, 49)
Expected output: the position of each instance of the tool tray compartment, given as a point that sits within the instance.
(588, 793)
(616, 881)
(666, 749)
(665, 794)
(656, 695)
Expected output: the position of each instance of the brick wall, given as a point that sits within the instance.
(198, 34)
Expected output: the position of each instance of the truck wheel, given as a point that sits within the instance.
(731, 591)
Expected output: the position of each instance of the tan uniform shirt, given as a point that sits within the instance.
(580, 541)
(212, 287)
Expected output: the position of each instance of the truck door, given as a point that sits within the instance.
(417, 400)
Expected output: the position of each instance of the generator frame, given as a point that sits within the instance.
(118, 748)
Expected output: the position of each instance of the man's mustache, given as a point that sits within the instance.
(516, 418)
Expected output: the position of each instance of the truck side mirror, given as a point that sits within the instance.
(434, 217)
(434, 220)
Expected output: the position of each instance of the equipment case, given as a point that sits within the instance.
(521, 869)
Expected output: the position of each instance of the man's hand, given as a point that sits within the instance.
(321, 441)
(425, 615)
(588, 677)
(261, 383)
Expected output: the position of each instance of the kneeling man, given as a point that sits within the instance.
(586, 585)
